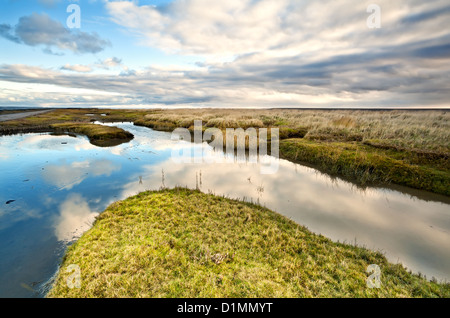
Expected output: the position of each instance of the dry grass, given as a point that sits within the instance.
(421, 130)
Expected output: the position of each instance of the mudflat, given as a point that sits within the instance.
(20, 115)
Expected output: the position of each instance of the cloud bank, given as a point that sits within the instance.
(265, 53)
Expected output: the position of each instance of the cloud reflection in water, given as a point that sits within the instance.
(66, 176)
(75, 217)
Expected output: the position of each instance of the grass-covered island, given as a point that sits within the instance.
(184, 243)
(60, 122)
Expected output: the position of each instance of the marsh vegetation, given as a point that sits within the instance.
(404, 147)
(184, 243)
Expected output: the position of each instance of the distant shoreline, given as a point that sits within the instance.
(25, 108)
(13, 115)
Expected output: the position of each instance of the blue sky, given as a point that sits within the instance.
(234, 53)
(94, 18)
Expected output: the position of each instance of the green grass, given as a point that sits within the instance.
(183, 243)
(368, 165)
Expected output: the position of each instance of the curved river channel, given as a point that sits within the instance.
(52, 187)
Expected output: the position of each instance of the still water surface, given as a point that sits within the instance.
(60, 183)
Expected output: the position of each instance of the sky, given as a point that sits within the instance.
(225, 53)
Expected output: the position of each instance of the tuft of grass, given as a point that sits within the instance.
(156, 125)
(184, 243)
(345, 121)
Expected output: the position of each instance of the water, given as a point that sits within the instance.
(60, 183)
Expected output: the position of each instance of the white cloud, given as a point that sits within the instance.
(106, 64)
(281, 27)
(77, 68)
(204, 27)
(112, 62)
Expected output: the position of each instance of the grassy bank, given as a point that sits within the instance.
(68, 121)
(183, 243)
(369, 165)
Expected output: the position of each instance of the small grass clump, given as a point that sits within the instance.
(183, 243)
